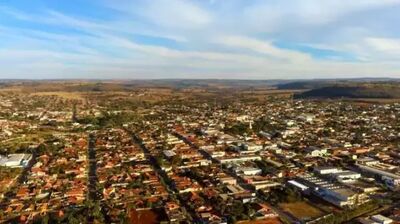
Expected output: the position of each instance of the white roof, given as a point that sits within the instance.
(169, 153)
(13, 159)
(297, 184)
(381, 218)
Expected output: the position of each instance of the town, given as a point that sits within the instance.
(195, 155)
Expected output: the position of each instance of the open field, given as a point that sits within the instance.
(371, 100)
(65, 95)
(361, 101)
(148, 216)
(273, 91)
(13, 89)
(7, 177)
(301, 210)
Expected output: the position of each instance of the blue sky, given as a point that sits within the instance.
(225, 39)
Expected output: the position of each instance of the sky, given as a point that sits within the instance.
(199, 39)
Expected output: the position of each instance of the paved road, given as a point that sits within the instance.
(161, 173)
(239, 180)
(92, 175)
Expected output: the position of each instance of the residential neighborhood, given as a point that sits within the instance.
(198, 160)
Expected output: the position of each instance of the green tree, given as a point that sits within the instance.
(72, 219)
(45, 219)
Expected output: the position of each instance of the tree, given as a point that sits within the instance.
(45, 219)
(74, 112)
(176, 160)
(72, 219)
(123, 217)
(97, 212)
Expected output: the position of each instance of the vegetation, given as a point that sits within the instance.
(108, 119)
(238, 129)
(9, 173)
(349, 214)
(301, 210)
(281, 195)
(354, 91)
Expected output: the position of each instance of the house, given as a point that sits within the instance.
(314, 151)
(174, 212)
(228, 180)
(251, 147)
(381, 219)
(263, 211)
(169, 153)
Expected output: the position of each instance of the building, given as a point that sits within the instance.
(334, 193)
(381, 219)
(15, 160)
(313, 151)
(346, 176)
(298, 185)
(228, 180)
(248, 171)
(251, 147)
(386, 173)
(340, 175)
(233, 159)
(326, 170)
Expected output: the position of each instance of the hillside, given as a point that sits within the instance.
(319, 83)
(385, 91)
(303, 85)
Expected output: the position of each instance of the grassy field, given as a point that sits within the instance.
(7, 176)
(65, 95)
(301, 210)
(273, 91)
(373, 101)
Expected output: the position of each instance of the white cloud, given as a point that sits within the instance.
(387, 45)
(54, 17)
(216, 44)
(167, 13)
(274, 15)
(177, 13)
(263, 47)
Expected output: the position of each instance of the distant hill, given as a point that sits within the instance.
(127, 85)
(370, 90)
(303, 85)
(319, 83)
(179, 84)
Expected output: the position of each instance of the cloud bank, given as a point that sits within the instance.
(238, 39)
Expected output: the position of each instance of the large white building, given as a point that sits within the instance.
(15, 160)
(334, 193)
(340, 175)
